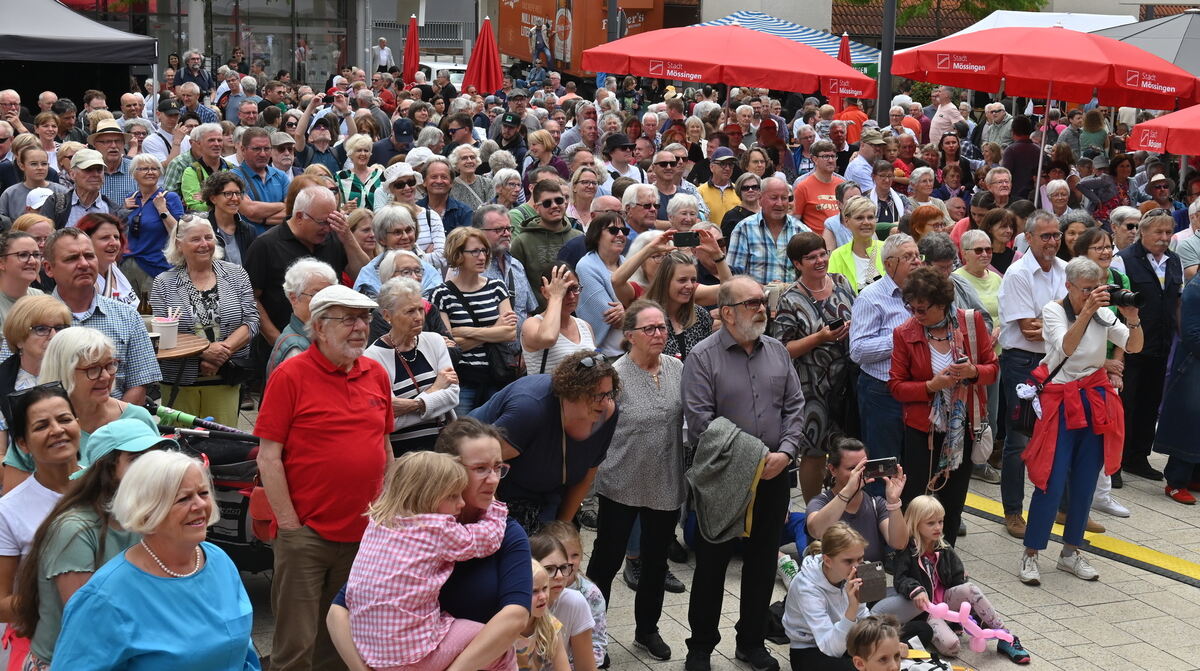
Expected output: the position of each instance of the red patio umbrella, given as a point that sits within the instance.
(843, 56)
(1176, 133)
(483, 70)
(729, 55)
(1050, 63)
(412, 51)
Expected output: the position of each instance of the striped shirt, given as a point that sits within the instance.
(422, 435)
(877, 312)
(485, 304)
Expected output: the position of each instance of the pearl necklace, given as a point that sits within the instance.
(168, 571)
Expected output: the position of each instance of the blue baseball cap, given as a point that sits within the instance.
(126, 435)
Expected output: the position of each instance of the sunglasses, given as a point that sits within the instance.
(754, 304)
(981, 250)
(617, 230)
(666, 164)
(592, 361)
(550, 202)
(752, 187)
(404, 184)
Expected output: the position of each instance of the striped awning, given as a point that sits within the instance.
(818, 39)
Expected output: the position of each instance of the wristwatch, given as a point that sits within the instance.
(164, 215)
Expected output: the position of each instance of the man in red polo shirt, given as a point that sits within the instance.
(324, 425)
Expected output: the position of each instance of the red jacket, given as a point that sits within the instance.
(912, 367)
(1108, 421)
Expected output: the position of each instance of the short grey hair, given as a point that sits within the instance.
(994, 172)
(249, 85)
(1120, 214)
(396, 291)
(130, 123)
(389, 218)
(429, 136)
(921, 173)
(937, 247)
(629, 198)
(308, 195)
(203, 129)
(1081, 268)
(145, 161)
(303, 270)
(149, 488)
(680, 201)
(188, 87)
(743, 108)
(896, 109)
(499, 159)
(173, 253)
(479, 217)
(893, 243)
(387, 267)
(503, 176)
(838, 123)
(1076, 217)
(457, 154)
(69, 348)
(1036, 217)
(974, 237)
(1057, 185)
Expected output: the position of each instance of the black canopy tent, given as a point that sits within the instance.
(46, 45)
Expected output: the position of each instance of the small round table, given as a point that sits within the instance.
(186, 345)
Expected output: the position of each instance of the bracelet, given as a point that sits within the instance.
(891, 507)
(720, 259)
(1134, 326)
(845, 499)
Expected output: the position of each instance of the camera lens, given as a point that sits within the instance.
(1125, 298)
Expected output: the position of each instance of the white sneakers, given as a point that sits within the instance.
(1077, 565)
(1108, 505)
(1030, 575)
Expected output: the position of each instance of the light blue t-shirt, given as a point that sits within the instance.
(125, 618)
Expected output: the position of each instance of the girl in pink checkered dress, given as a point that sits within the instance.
(407, 553)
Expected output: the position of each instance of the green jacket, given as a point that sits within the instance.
(841, 261)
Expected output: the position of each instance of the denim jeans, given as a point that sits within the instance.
(1180, 473)
(882, 423)
(1015, 367)
(1078, 459)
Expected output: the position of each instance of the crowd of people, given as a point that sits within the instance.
(472, 322)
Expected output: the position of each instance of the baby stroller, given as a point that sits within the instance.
(230, 454)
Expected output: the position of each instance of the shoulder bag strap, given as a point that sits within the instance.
(463, 300)
(542, 369)
(974, 353)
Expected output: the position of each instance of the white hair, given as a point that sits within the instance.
(1057, 185)
(302, 271)
(629, 198)
(69, 348)
(173, 253)
(459, 151)
(203, 129)
(397, 290)
(921, 173)
(150, 486)
(893, 243)
(974, 237)
(429, 136)
(680, 201)
(308, 195)
(1083, 268)
(503, 176)
(1120, 214)
(249, 85)
(388, 218)
(188, 87)
(387, 267)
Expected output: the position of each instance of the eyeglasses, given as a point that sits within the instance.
(350, 320)
(44, 330)
(1053, 235)
(828, 157)
(1159, 186)
(550, 202)
(1129, 226)
(565, 570)
(617, 230)
(320, 222)
(754, 304)
(652, 330)
(482, 471)
(148, 168)
(24, 257)
(980, 251)
(574, 290)
(909, 257)
(1157, 212)
(476, 252)
(752, 187)
(587, 182)
(5, 139)
(290, 124)
(666, 164)
(920, 312)
(591, 361)
(415, 273)
(93, 372)
(404, 184)
(648, 206)
(232, 195)
(499, 229)
(603, 396)
(454, 130)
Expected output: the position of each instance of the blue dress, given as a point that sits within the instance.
(125, 618)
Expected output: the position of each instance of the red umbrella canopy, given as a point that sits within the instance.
(1073, 65)
(729, 55)
(483, 70)
(844, 57)
(412, 51)
(1177, 133)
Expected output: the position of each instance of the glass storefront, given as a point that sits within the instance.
(308, 38)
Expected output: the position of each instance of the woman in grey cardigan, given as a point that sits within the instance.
(641, 478)
(214, 300)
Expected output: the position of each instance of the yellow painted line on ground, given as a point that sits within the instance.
(1133, 551)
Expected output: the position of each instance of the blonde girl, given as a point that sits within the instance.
(929, 572)
(822, 603)
(539, 647)
(407, 552)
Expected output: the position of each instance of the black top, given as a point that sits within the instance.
(269, 257)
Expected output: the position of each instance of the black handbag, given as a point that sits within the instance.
(1024, 417)
(503, 367)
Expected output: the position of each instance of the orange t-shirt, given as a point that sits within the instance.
(913, 125)
(858, 117)
(816, 202)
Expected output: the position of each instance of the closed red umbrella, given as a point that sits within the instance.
(729, 55)
(844, 57)
(412, 51)
(1050, 63)
(1175, 133)
(483, 70)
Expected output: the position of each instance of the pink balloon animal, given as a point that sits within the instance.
(979, 637)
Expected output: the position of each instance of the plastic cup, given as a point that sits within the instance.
(168, 332)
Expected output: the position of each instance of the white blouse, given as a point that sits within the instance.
(1089, 355)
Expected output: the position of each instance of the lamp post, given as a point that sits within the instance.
(883, 105)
